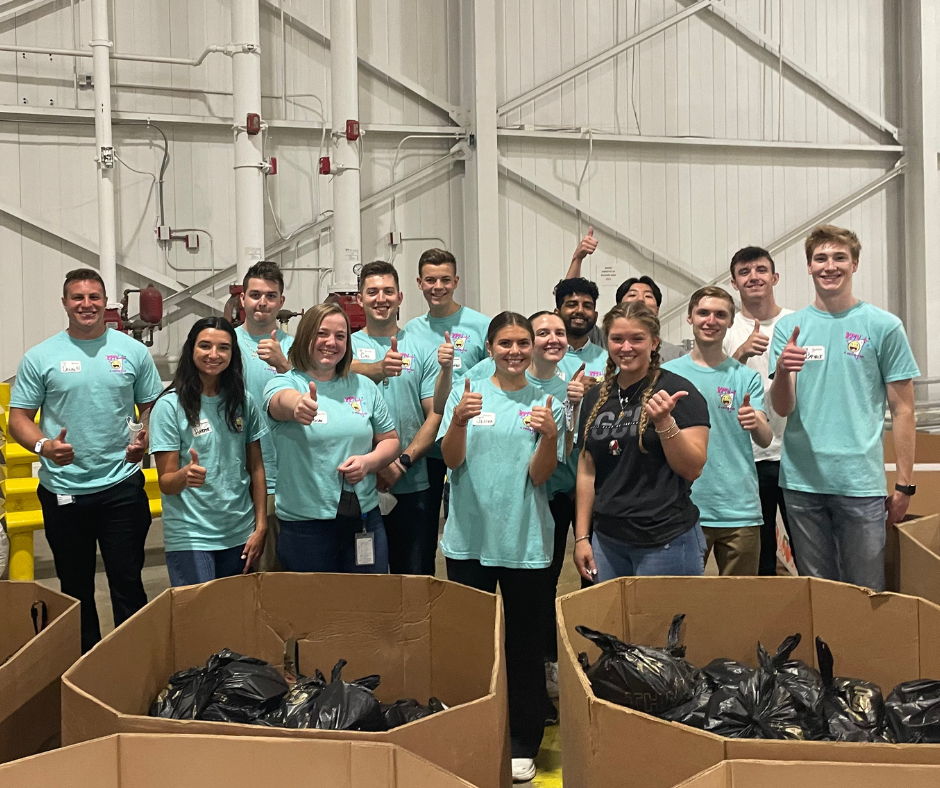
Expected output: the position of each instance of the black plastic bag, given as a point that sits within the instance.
(185, 695)
(716, 674)
(804, 685)
(647, 679)
(346, 706)
(243, 688)
(912, 712)
(853, 709)
(297, 709)
(401, 712)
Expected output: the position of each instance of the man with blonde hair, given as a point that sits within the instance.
(834, 365)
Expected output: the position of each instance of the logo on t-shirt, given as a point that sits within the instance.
(726, 398)
(526, 416)
(239, 424)
(407, 362)
(596, 373)
(854, 344)
(116, 363)
(356, 404)
(459, 341)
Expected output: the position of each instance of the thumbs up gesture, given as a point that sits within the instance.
(194, 472)
(587, 246)
(57, 450)
(470, 405)
(392, 363)
(793, 356)
(747, 416)
(542, 420)
(661, 406)
(269, 350)
(445, 353)
(755, 345)
(305, 409)
(576, 387)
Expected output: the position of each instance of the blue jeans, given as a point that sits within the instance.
(329, 545)
(412, 535)
(837, 537)
(189, 567)
(684, 555)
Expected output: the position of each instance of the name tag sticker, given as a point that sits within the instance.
(365, 354)
(70, 366)
(458, 363)
(65, 500)
(365, 549)
(484, 420)
(202, 428)
(320, 418)
(815, 353)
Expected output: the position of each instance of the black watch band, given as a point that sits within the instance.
(405, 461)
(907, 489)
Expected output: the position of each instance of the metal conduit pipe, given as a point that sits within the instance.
(229, 49)
(104, 147)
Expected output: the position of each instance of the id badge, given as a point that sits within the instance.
(65, 500)
(365, 549)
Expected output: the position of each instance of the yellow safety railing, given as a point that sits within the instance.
(18, 486)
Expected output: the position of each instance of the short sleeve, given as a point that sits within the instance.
(449, 408)
(255, 426)
(147, 385)
(429, 373)
(29, 389)
(273, 386)
(164, 425)
(777, 344)
(895, 357)
(755, 387)
(382, 420)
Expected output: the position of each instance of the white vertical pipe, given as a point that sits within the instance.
(246, 98)
(344, 86)
(101, 52)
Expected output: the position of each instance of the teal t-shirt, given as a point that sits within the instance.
(90, 387)
(592, 356)
(467, 331)
(497, 516)
(727, 493)
(350, 413)
(220, 514)
(403, 394)
(257, 375)
(833, 441)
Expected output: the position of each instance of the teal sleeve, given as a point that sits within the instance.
(273, 386)
(755, 388)
(895, 357)
(147, 384)
(429, 375)
(255, 426)
(164, 427)
(382, 420)
(777, 344)
(29, 389)
(449, 408)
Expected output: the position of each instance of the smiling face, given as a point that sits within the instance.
(832, 268)
(380, 298)
(511, 349)
(85, 304)
(551, 338)
(329, 345)
(438, 283)
(644, 293)
(578, 313)
(755, 279)
(262, 300)
(213, 352)
(630, 345)
(710, 319)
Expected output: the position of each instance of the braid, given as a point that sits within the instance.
(609, 374)
(653, 377)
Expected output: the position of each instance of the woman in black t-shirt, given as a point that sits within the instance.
(645, 438)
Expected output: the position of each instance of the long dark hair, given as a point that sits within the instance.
(188, 385)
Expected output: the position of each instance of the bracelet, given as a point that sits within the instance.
(461, 424)
(671, 435)
(660, 432)
(580, 538)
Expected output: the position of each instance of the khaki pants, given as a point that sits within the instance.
(268, 561)
(737, 550)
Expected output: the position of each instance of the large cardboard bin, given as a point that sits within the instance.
(920, 557)
(780, 774)
(158, 761)
(425, 638)
(885, 638)
(31, 666)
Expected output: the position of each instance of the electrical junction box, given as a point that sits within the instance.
(164, 233)
(253, 123)
(192, 241)
(394, 239)
(352, 130)
(324, 165)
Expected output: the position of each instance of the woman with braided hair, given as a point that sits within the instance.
(644, 433)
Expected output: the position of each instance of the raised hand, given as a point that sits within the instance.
(392, 363)
(470, 405)
(354, 468)
(195, 473)
(793, 356)
(57, 450)
(270, 350)
(661, 405)
(587, 246)
(305, 411)
(755, 345)
(542, 420)
(576, 387)
(747, 416)
(445, 353)
(136, 450)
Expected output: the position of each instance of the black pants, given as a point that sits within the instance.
(412, 535)
(437, 470)
(117, 521)
(771, 497)
(562, 506)
(526, 601)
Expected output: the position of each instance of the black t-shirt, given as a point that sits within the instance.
(638, 498)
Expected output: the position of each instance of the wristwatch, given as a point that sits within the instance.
(405, 461)
(907, 489)
(38, 447)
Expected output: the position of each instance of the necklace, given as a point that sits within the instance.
(625, 402)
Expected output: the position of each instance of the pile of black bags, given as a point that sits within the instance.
(782, 698)
(235, 688)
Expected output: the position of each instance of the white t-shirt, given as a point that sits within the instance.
(737, 336)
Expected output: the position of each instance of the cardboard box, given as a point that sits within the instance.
(885, 638)
(158, 761)
(919, 542)
(423, 636)
(31, 666)
(926, 447)
(780, 774)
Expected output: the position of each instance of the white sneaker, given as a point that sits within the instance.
(551, 679)
(523, 770)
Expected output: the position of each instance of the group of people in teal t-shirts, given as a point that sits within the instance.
(328, 451)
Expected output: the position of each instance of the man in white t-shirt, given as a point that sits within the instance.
(754, 276)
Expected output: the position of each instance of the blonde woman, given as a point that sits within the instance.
(644, 432)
